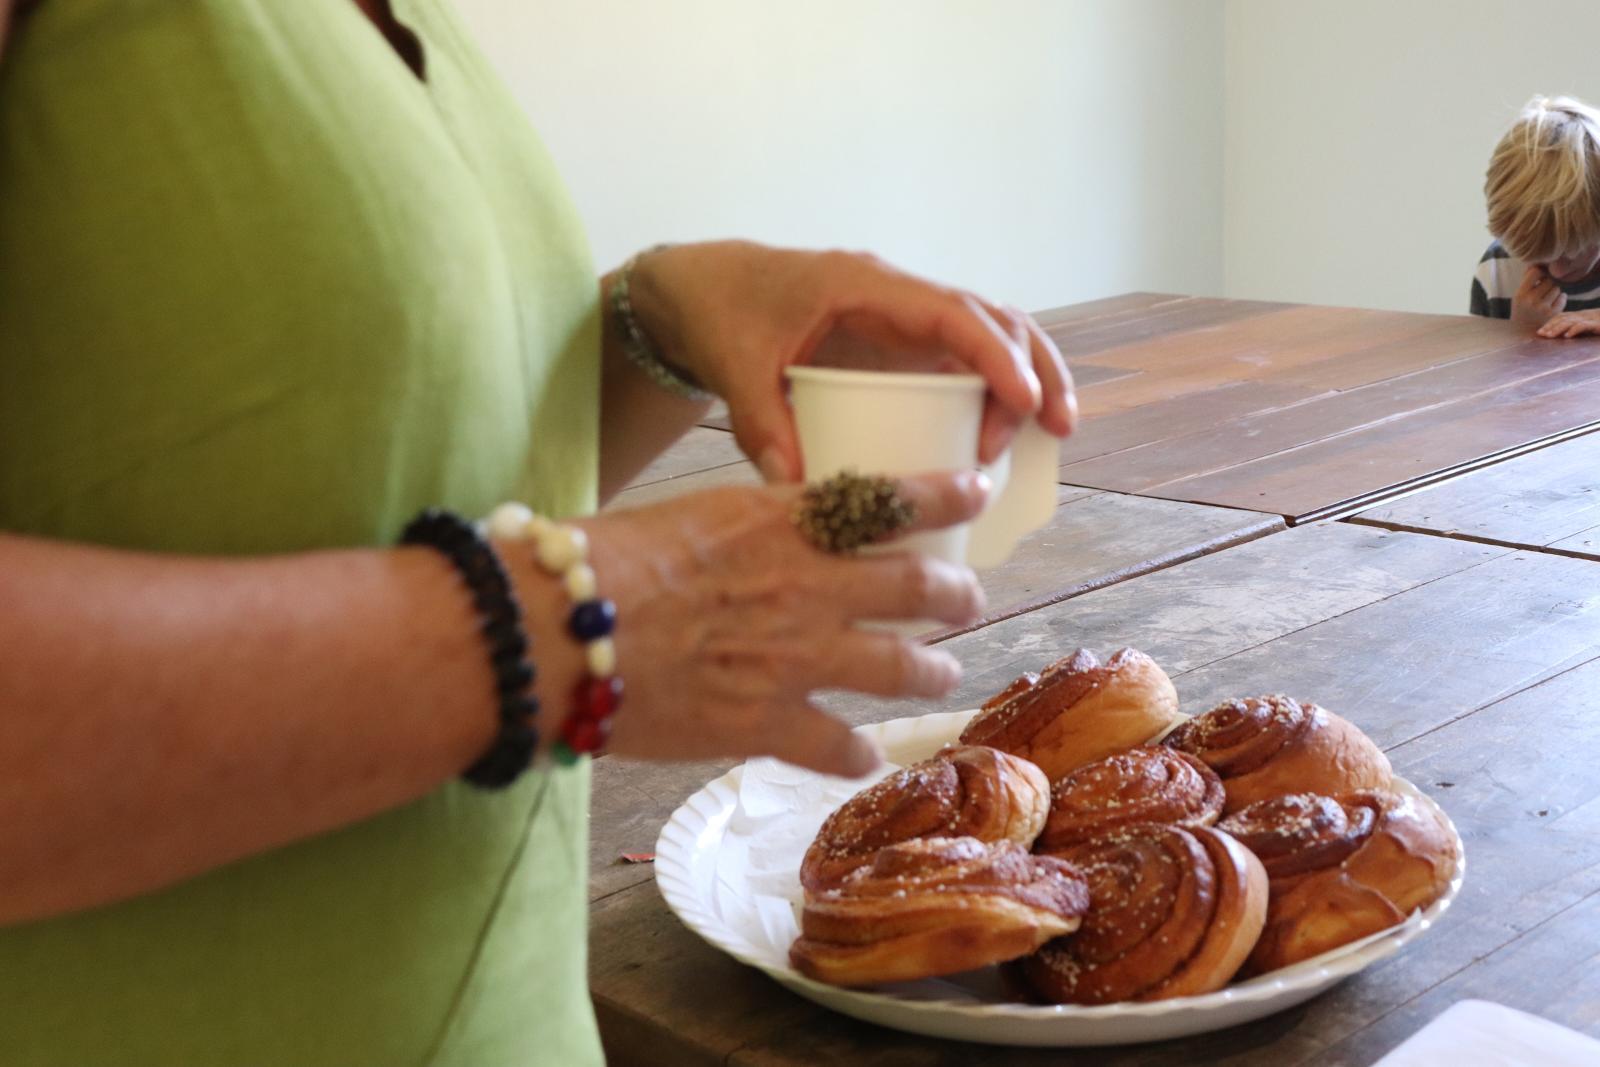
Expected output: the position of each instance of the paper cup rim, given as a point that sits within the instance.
(883, 379)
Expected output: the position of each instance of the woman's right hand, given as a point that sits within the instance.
(728, 620)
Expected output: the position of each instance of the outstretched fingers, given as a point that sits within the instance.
(806, 736)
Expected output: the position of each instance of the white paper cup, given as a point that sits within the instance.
(885, 422)
(878, 422)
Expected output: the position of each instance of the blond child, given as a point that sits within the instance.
(1543, 193)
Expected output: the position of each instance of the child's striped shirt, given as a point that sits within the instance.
(1498, 276)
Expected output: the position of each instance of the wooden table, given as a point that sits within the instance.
(1307, 412)
(1460, 626)
(1548, 499)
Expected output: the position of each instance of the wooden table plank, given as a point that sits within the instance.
(1518, 976)
(1527, 922)
(657, 1008)
(1124, 305)
(1098, 539)
(1585, 544)
(1405, 665)
(1297, 343)
(629, 803)
(1100, 338)
(1211, 608)
(1309, 411)
(1429, 341)
(1104, 432)
(638, 496)
(1357, 617)
(699, 449)
(1087, 374)
(1332, 414)
(1549, 498)
(1320, 477)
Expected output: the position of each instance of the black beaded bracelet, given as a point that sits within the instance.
(518, 738)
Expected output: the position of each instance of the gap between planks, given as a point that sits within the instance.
(685, 474)
(1343, 510)
(1497, 700)
(1386, 494)
(1457, 535)
(1347, 510)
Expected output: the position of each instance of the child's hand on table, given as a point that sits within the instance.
(1572, 324)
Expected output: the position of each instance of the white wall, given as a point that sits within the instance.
(1357, 133)
(1040, 151)
(1050, 151)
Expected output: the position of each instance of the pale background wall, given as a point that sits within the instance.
(1357, 132)
(1051, 151)
(1040, 151)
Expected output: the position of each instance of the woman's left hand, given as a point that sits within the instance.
(734, 314)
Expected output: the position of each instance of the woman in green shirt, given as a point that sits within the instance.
(274, 276)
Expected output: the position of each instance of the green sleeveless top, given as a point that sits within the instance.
(261, 289)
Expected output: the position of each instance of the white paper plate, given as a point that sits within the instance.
(728, 862)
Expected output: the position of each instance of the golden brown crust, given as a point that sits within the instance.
(1173, 912)
(963, 791)
(1150, 784)
(1078, 711)
(937, 906)
(1301, 834)
(1342, 867)
(1274, 745)
(1235, 927)
(1023, 683)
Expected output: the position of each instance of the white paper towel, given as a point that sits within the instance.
(778, 813)
(757, 890)
(1478, 1033)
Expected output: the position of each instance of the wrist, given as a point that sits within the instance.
(561, 551)
(644, 323)
(653, 306)
(558, 661)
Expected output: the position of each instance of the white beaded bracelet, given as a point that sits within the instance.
(562, 551)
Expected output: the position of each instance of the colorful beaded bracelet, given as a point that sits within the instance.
(517, 738)
(562, 551)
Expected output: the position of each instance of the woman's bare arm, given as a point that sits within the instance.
(163, 715)
(638, 419)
